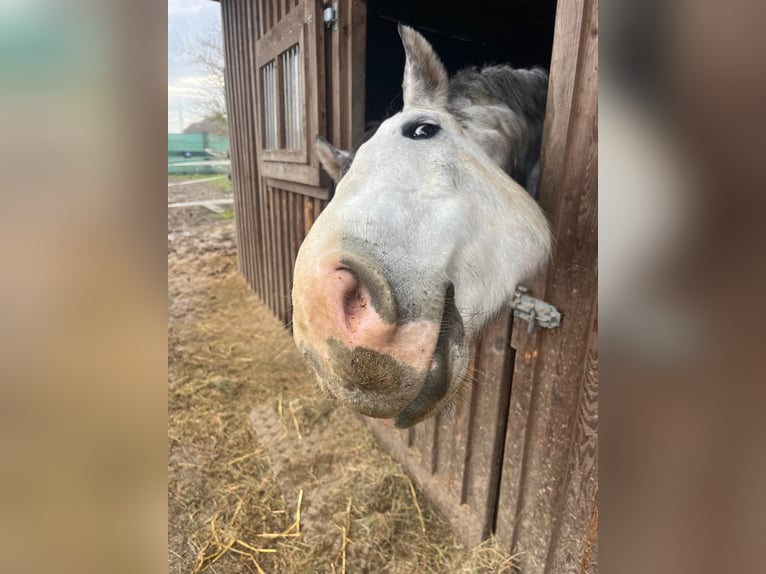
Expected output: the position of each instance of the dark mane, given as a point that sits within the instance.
(524, 92)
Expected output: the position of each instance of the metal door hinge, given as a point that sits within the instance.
(330, 16)
(538, 313)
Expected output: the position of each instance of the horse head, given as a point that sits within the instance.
(423, 244)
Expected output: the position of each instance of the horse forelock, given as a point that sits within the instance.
(523, 91)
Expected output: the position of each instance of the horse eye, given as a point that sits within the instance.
(421, 131)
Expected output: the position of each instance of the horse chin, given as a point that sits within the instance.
(435, 387)
(448, 369)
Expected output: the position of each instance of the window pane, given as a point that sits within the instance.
(293, 97)
(270, 127)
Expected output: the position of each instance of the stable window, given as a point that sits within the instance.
(287, 97)
(282, 86)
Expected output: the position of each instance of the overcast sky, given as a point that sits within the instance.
(187, 19)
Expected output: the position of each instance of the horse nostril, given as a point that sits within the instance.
(371, 290)
(351, 298)
(355, 304)
(363, 301)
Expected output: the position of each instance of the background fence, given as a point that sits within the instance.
(193, 148)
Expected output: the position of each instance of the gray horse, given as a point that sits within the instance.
(426, 238)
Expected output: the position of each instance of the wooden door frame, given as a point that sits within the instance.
(548, 491)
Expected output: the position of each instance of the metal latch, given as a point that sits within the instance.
(330, 16)
(537, 312)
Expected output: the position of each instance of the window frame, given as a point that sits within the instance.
(289, 164)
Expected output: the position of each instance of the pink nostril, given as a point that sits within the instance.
(351, 299)
(354, 306)
(354, 310)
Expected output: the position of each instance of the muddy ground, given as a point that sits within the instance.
(265, 475)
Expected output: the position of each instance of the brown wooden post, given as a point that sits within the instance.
(549, 478)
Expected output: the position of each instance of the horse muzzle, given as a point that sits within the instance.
(348, 325)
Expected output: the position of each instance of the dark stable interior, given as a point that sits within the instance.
(515, 32)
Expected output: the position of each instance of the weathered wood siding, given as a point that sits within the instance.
(275, 95)
(547, 507)
(456, 457)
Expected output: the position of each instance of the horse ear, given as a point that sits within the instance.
(425, 78)
(332, 159)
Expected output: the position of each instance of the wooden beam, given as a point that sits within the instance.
(548, 481)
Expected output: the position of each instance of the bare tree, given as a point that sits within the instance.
(205, 52)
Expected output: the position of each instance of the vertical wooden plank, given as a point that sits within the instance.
(295, 241)
(336, 98)
(558, 111)
(288, 223)
(251, 127)
(268, 260)
(356, 46)
(244, 169)
(323, 69)
(276, 250)
(444, 446)
(287, 262)
(291, 230)
(308, 215)
(280, 119)
(423, 441)
(257, 9)
(276, 260)
(227, 42)
(284, 255)
(312, 80)
(295, 225)
(262, 24)
(296, 237)
(274, 255)
(488, 421)
(575, 533)
(343, 36)
(460, 452)
(551, 368)
(239, 155)
(268, 16)
(231, 77)
(277, 10)
(261, 193)
(256, 252)
(267, 198)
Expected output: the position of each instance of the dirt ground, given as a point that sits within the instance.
(264, 474)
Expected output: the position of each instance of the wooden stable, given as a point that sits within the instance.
(518, 456)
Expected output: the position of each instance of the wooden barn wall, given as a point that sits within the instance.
(238, 26)
(272, 216)
(517, 454)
